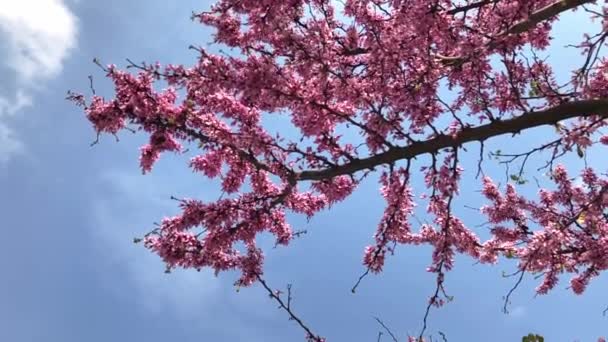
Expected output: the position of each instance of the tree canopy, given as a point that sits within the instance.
(410, 79)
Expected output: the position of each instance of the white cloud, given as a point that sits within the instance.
(39, 35)
(9, 144)
(36, 37)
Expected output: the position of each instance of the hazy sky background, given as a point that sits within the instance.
(70, 271)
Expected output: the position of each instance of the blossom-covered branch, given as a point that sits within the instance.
(551, 116)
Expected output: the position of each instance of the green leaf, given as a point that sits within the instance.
(517, 179)
(580, 151)
(533, 338)
(534, 89)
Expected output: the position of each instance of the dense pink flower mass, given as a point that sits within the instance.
(376, 67)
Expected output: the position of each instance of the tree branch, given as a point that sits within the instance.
(471, 6)
(582, 108)
(534, 19)
(545, 13)
(312, 337)
(388, 330)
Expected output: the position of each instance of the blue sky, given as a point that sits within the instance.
(70, 211)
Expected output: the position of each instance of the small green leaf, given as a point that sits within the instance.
(534, 89)
(580, 151)
(517, 179)
(533, 338)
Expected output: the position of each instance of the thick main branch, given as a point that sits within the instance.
(583, 108)
(545, 13)
(523, 26)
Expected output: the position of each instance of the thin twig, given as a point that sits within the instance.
(287, 308)
(388, 330)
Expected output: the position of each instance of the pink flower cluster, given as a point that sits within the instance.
(565, 231)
